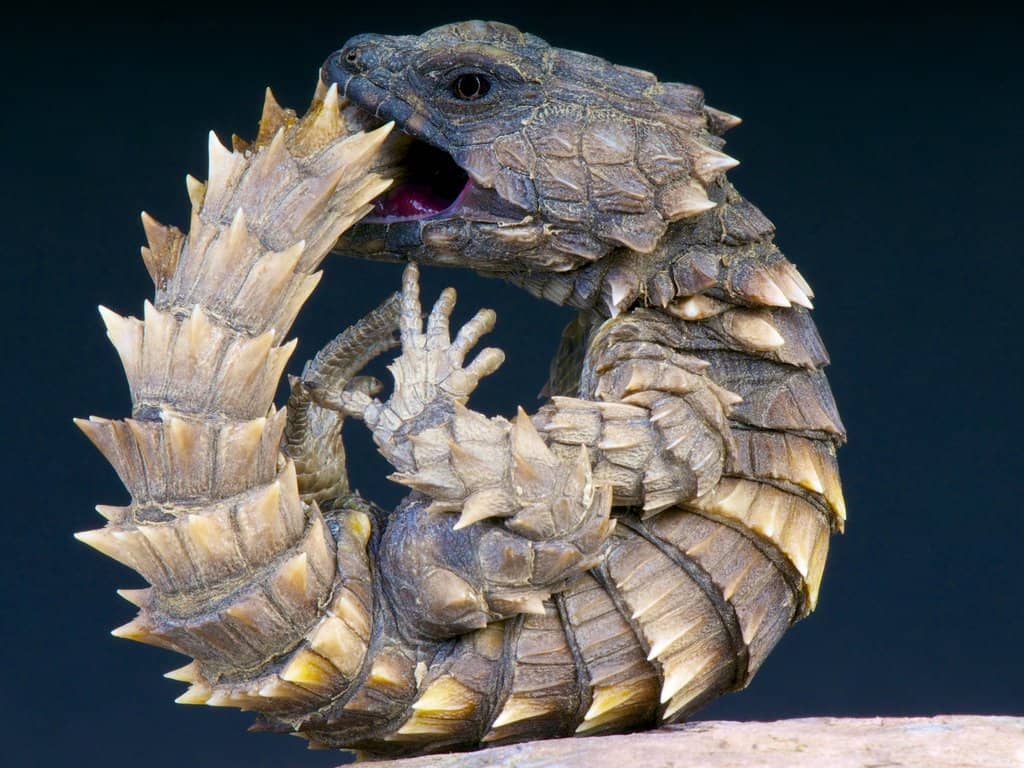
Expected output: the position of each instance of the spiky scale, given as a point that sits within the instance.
(711, 163)
(446, 694)
(187, 674)
(517, 709)
(697, 307)
(752, 330)
(684, 200)
(161, 257)
(721, 121)
(137, 597)
(196, 694)
(273, 119)
(196, 191)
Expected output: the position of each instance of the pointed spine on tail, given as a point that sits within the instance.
(245, 576)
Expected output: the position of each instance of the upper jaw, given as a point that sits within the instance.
(400, 227)
(359, 88)
(431, 184)
(428, 181)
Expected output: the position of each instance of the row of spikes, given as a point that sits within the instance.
(241, 571)
(265, 219)
(451, 705)
(620, 432)
(318, 664)
(682, 286)
(791, 523)
(679, 626)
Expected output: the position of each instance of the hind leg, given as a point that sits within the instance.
(443, 581)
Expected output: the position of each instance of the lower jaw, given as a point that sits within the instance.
(414, 203)
(394, 241)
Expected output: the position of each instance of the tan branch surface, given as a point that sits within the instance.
(945, 741)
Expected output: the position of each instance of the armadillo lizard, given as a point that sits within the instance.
(612, 562)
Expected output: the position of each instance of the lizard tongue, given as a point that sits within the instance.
(409, 201)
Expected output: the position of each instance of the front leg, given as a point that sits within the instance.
(535, 520)
(429, 376)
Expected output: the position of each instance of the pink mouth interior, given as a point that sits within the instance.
(431, 183)
(412, 201)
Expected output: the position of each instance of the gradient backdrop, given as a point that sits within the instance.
(886, 148)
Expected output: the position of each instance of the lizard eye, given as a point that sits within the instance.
(470, 86)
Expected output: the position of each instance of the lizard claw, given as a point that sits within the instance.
(430, 377)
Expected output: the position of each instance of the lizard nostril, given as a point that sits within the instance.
(352, 59)
(359, 55)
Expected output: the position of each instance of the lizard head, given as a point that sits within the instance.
(522, 157)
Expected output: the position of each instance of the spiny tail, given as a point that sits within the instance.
(312, 436)
(246, 577)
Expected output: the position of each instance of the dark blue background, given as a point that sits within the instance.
(886, 146)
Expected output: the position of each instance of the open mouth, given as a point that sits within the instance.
(429, 184)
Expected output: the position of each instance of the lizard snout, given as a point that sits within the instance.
(360, 54)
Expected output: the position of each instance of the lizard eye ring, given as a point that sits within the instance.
(470, 86)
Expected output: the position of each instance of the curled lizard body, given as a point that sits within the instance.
(617, 559)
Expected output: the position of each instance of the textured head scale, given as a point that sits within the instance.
(542, 159)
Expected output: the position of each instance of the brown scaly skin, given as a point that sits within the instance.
(629, 552)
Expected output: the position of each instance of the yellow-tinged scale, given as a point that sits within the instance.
(276, 688)
(196, 694)
(136, 629)
(246, 611)
(606, 699)
(678, 703)
(667, 638)
(421, 726)
(601, 720)
(385, 672)
(444, 700)
(801, 460)
(521, 708)
(347, 608)
(307, 668)
(678, 676)
(340, 645)
(182, 436)
(358, 523)
(211, 536)
(293, 574)
(186, 674)
(446, 695)
(261, 516)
